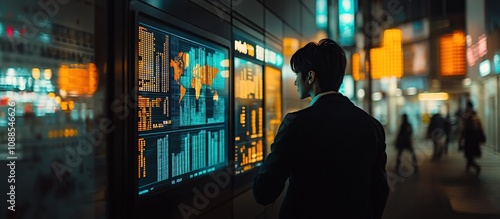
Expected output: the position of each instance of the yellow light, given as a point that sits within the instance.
(433, 96)
(378, 63)
(47, 73)
(71, 105)
(64, 106)
(57, 99)
(387, 61)
(35, 73)
(356, 67)
(392, 37)
(290, 46)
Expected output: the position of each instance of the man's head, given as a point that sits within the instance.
(404, 117)
(321, 63)
(469, 105)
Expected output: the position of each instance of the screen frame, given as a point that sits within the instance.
(150, 135)
(169, 202)
(243, 181)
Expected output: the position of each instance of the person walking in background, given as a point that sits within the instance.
(436, 132)
(404, 142)
(447, 131)
(471, 137)
(332, 153)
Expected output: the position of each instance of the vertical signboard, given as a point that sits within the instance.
(321, 14)
(347, 10)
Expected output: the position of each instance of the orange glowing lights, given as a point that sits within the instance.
(62, 133)
(387, 61)
(290, 46)
(452, 54)
(356, 67)
(78, 79)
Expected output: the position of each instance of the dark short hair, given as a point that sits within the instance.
(469, 104)
(326, 58)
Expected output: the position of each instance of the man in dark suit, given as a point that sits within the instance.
(332, 152)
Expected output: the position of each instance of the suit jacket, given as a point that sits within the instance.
(333, 154)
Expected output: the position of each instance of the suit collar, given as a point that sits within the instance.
(320, 95)
(330, 97)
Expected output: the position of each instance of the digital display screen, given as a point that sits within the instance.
(249, 115)
(182, 104)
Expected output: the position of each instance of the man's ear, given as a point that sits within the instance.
(311, 75)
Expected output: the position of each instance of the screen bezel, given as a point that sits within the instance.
(169, 201)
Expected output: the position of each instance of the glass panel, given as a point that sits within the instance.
(272, 104)
(51, 99)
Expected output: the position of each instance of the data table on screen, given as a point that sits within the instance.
(182, 107)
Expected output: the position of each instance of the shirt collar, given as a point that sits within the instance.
(320, 95)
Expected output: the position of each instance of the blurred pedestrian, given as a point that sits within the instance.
(436, 132)
(404, 141)
(447, 131)
(471, 137)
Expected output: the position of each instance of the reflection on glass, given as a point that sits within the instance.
(48, 93)
(273, 104)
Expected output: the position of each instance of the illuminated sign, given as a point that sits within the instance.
(433, 96)
(322, 14)
(496, 63)
(387, 61)
(244, 48)
(258, 52)
(452, 55)
(477, 50)
(356, 67)
(378, 63)
(273, 58)
(346, 22)
(290, 46)
(484, 68)
(78, 79)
